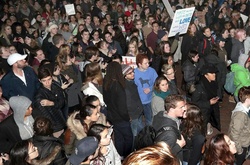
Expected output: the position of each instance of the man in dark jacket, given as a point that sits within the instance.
(175, 107)
(135, 108)
(49, 102)
(21, 80)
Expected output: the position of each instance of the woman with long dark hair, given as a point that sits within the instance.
(78, 124)
(190, 42)
(194, 135)
(114, 96)
(220, 151)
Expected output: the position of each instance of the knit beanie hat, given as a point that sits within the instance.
(126, 69)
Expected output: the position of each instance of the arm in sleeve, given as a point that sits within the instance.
(237, 124)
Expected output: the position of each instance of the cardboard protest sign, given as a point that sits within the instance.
(70, 9)
(128, 60)
(182, 18)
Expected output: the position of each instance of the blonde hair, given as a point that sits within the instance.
(136, 48)
(165, 68)
(4, 35)
(156, 154)
(239, 33)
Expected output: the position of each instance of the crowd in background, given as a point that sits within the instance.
(68, 96)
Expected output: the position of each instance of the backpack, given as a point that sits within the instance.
(229, 84)
(147, 136)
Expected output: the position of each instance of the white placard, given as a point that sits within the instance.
(70, 9)
(129, 60)
(182, 18)
(244, 18)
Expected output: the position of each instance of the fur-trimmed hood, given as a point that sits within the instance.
(75, 126)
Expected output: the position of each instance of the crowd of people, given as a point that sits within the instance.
(68, 95)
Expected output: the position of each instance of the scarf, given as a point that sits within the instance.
(161, 94)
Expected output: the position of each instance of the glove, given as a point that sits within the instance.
(177, 36)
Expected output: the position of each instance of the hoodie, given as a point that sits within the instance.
(241, 78)
(239, 128)
(19, 105)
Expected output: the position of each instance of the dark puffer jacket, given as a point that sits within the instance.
(54, 113)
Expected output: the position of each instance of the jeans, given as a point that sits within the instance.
(148, 113)
(137, 125)
(123, 138)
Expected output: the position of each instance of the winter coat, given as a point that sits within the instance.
(134, 104)
(170, 137)
(116, 102)
(222, 71)
(239, 128)
(210, 113)
(9, 134)
(76, 131)
(46, 145)
(54, 113)
(14, 86)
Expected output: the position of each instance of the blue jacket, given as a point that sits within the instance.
(14, 86)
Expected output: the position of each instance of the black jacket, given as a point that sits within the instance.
(171, 136)
(116, 102)
(54, 113)
(9, 134)
(46, 144)
(210, 113)
(134, 104)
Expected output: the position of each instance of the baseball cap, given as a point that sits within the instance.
(13, 58)
(84, 148)
(161, 33)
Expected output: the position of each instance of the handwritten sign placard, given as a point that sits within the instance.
(128, 60)
(182, 18)
(70, 9)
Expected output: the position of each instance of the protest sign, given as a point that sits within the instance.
(182, 18)
(70, 9)
(244, 18)
(128, 60)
